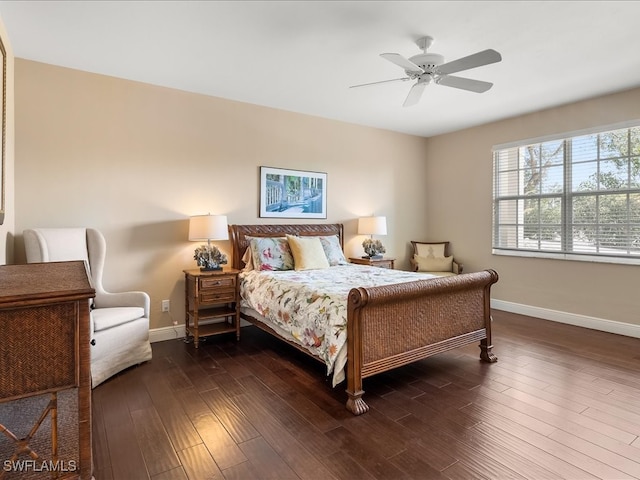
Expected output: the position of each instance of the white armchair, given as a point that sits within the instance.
(119, 321)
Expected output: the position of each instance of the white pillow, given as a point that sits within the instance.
(307, 252)
(433, 264)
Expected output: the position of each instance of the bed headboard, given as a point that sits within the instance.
(239, 242)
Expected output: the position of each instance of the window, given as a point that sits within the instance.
(574, 198)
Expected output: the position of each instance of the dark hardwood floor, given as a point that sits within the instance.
(561, 402)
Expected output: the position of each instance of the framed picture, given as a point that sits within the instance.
(292, 193)
(3, 88)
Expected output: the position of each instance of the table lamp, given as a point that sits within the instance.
(372, 226)
(208, 227)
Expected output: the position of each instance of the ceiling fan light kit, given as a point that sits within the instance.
(426, 68)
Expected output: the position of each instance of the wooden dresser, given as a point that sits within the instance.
(45, 378)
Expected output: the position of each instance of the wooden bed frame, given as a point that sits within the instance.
(394, 325)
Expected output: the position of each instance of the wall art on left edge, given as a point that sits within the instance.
(292, 193)
(3, 88)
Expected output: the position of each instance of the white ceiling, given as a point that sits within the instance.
(302, 56)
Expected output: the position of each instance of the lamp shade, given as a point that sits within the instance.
(372, 226)
(208, 227)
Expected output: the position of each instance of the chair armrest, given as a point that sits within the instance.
(457, 267)
(124, 299)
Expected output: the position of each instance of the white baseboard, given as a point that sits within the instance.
(170, 333)
(166, 333)
(610, 326)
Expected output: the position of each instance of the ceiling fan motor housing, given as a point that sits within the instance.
(427, 61)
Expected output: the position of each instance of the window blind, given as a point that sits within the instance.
(577, 196)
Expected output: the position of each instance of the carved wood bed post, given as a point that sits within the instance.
(486, 344)
(355, 404)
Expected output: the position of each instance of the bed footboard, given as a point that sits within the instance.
(393, 325)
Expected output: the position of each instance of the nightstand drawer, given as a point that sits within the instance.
(221, 282)
(217, 296)
(385, 264)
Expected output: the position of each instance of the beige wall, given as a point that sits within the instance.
(8, 227)
(135, 160)
(462, 160)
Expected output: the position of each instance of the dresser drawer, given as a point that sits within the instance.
(227, 282)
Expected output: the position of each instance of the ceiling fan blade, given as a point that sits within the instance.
(414, 94)
(403, 79)
(399, 60)
(464, 83)
(479, 59)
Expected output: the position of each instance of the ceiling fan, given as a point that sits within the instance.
(426, 68)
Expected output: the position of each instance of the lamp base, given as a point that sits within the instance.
(373, 257)
(210, 269)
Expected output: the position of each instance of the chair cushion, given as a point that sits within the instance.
(430, 249)
(104, 318)
(434, 264)
(60, 245)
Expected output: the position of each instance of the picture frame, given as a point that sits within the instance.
(3, 112)
(286, 193)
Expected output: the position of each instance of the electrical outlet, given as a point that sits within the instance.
(166, 305)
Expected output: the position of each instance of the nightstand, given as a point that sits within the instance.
(210, 296)
(374, 262)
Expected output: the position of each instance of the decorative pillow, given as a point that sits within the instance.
(270, 253)
(333, 250)
(308, 253)
(247, 258)
(432, 264)
(430, 250)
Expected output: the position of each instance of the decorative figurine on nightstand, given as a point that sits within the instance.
(208, 227)
(209, 258)
(373, 248)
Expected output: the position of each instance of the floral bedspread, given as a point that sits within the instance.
(309, 307)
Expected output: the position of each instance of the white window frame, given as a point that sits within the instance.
(509, 199)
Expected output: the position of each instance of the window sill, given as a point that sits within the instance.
(568, 256)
